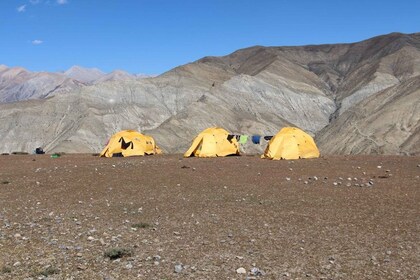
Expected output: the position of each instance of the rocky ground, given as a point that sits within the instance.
(165, 217)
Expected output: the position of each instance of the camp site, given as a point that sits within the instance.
(133, 210)
(209, 140)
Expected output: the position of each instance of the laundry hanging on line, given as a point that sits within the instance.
(256, 139)
(243, 139)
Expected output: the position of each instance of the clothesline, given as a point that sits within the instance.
(243, 139)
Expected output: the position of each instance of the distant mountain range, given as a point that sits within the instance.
(17, 83)
(355, 98)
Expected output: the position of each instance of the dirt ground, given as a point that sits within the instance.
(166, 217)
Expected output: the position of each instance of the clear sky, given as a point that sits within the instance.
(154, 36)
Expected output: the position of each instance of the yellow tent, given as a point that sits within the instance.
(213, 142)
(291, 143)
(130, 143)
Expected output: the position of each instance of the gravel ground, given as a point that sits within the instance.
(165, 217)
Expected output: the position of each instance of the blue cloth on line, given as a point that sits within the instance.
(256, 139)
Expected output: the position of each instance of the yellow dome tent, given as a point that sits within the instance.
(291, 143)
(130, 143)
(213, 142)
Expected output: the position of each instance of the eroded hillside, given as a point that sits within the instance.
(356, 98)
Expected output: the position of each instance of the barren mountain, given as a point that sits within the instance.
(346, 94)
(387, 122)
(17, 84)
(84, 75)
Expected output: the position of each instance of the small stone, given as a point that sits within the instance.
(379, 167)
(388, 252)
(17, 264)
(335, 183)
(91, 238)
(178, 268)
(81, 267)
(286, 274)
(157, 258)
(256, 271)
(287, 178)
(241, 270)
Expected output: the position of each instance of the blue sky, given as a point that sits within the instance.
(154, 36)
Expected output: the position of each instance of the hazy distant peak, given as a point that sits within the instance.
(143, 76)
(80, 68)
(120, 72)
(14, 71)
(85, 75)
(116, 75)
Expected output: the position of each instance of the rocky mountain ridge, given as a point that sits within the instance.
(356, 98)
(18, 84)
